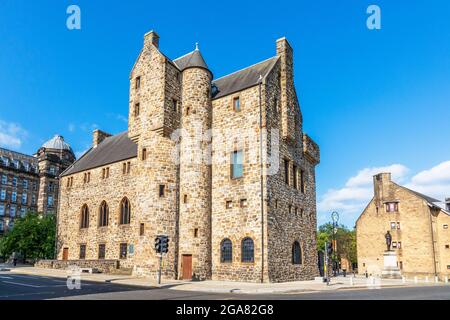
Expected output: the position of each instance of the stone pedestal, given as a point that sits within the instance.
(390, 270)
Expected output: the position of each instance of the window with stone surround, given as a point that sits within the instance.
(144, 154)
(286, 171)
(294, 174)
(125, 212)
(302, 181)
(185, 198)
(248, 250)
(228, 204)
(82, 251)
(103, 215)
(196, 233)
(161, 190)
(226, 251)
(84, 224)
(123, 250)
(101, 251)
(296, 253)
(236, 104)
(175, 105)
(237, 169)
(137, 109)
(243, 203)
(138, 83)
(393, 225)
(142, 229)
(391, 206)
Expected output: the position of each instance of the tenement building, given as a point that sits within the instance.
(221, 166)
(419, 228)
(30, 183)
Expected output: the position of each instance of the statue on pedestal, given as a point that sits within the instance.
(388, 240)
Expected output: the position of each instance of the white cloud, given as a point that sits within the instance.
(11, 134)
(351, 199)
(434, 182)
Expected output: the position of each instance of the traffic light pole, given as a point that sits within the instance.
(160, 267)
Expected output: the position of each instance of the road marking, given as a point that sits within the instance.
(21, 284)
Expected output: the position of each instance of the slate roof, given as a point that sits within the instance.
(242, 79)
(192, 59)
(113, 149)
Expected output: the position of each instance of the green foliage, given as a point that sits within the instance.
(346, 241)
(33, 236)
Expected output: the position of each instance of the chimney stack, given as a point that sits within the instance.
(381, 183)
(99, 136)
(151, 37)
(286, 81)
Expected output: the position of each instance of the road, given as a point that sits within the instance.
(27, 287)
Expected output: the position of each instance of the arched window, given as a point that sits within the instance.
(296, 253)
(125, 211)
(226, 251)
(104, 215)
(248, 250)
(84, 217)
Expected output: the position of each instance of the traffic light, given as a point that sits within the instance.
(164, 244)
(330, 249)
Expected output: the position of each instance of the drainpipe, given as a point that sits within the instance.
(261, 177)
(432, 242)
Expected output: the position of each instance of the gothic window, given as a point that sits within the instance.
(104, 215)
(302, 181)
(296, 253)
(226, 251)
(125, 211)
(294, 174)
(247, 250)
(286, 171)
(84, 217)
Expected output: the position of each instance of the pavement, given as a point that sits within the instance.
(338, 283)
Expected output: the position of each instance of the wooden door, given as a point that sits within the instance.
(187, 267)
(66, 254)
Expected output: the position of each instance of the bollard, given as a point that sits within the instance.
(436, 279)
(426, 279)
(404, 279)
(351, 281)
(446, 279)
(415, 279)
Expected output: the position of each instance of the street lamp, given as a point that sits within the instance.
(335, 219)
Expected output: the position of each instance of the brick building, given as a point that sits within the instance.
(221, 166)
(419, 226)
(30, 183)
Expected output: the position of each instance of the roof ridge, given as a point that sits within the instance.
(227, 75)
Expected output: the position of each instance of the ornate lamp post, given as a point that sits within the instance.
(335, 219)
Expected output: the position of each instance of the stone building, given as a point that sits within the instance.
(30, 183)
(419, 226)
(221, 166)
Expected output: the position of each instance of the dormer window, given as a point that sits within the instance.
(138, 83)
(237, 104)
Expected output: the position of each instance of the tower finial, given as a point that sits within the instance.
(196, 46)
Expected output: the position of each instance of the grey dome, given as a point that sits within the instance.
(193, 59)
(58, 143)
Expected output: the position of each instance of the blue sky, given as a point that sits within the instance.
(374, 100)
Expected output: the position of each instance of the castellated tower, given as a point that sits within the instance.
(195, 170)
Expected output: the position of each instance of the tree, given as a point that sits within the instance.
(346, 241)
(33, 236)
